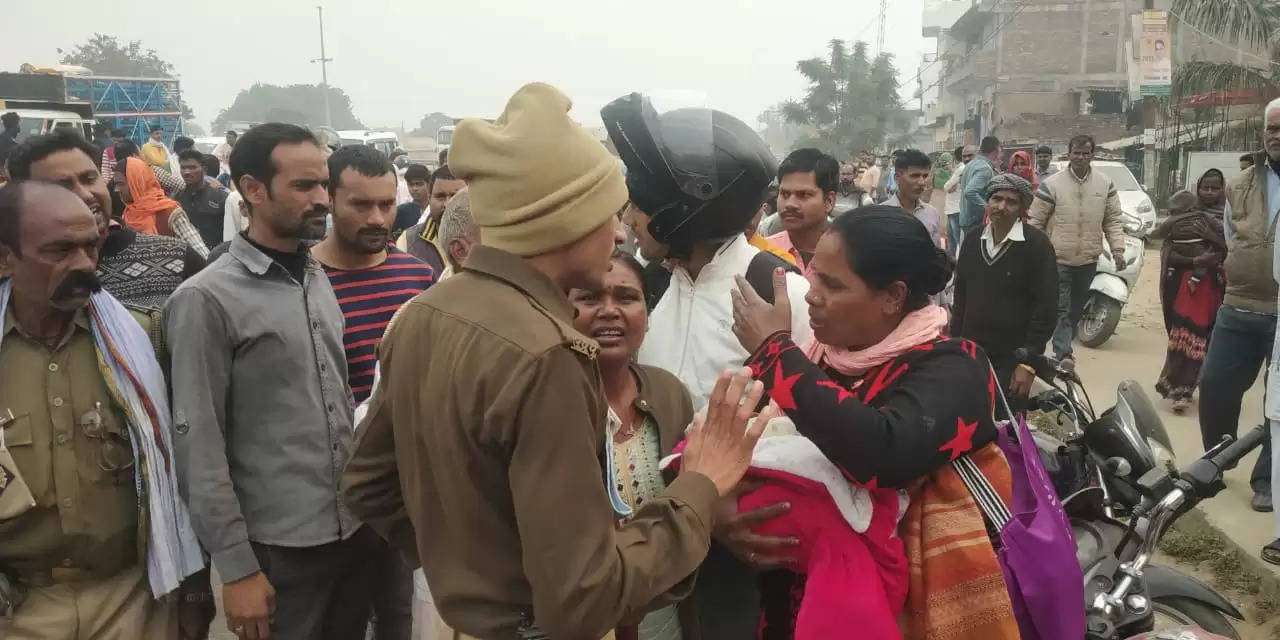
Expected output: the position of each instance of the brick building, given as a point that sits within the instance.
(1039, 70)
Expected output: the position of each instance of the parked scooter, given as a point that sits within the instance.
(1110, 291)
(1099, 472)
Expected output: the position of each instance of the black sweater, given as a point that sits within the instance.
(1011, 302)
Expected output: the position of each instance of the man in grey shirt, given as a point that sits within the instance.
(262, 410)
(911, 171)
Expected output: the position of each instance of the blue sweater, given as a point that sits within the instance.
(977, 174)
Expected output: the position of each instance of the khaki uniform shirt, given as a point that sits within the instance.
(70, 442)
(481, 456)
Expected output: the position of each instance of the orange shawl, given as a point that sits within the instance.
(957, 588)
(149, 204)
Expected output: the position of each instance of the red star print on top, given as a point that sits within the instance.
(963, 442)
(783, 389)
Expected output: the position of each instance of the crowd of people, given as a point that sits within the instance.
(513, 397)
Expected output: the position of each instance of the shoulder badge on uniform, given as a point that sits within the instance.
(585, 346)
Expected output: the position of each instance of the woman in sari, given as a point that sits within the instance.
(147, 209)
(648, 412)
(892, 402)
(1020, 165)
(1192, 283)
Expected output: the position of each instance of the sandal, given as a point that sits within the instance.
(1271, 552)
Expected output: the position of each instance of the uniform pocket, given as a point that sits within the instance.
(15, 495)
(107, 448)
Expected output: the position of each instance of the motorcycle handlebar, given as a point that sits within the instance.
(1204, 475)
(1046, 367)
(1230, 455)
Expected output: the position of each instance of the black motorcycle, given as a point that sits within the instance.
(1123, 589)
(1104, 472)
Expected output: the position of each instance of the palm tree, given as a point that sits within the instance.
(1249, 24)
(851, 102)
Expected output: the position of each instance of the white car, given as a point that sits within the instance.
(207, 144)
(1139, 213)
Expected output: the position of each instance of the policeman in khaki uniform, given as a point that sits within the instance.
(72, 546)
(490, 412)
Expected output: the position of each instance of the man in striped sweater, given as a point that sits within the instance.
(370, 279)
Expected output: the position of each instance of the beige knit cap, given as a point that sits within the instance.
(538, 181)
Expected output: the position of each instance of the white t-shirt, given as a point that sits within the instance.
(691, 329)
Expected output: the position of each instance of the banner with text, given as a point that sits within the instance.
(1155, 54)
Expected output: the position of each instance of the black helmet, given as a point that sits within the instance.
(700, 174)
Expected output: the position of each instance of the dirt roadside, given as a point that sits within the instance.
(1137, 353)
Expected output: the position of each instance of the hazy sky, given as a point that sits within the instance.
(400, 59)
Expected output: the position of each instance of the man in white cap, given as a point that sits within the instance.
(490, 412)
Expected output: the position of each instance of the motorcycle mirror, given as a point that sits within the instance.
(1119, 466)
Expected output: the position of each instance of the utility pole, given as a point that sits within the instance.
(324, 71)
(884, 11)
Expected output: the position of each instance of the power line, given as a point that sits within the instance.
(1012, 15)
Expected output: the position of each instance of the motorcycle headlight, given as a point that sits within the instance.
(1145, 207)
(1116, 434)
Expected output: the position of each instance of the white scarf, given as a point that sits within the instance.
(138, 384)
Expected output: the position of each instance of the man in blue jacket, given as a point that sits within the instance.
(977, 174)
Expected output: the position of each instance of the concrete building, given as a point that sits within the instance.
(1031, 70)
(1041, 70)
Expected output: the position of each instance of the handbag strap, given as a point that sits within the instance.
(988, 499)
(993, 507)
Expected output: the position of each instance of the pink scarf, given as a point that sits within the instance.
(917, 328)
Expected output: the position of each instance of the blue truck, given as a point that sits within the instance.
(133, 105)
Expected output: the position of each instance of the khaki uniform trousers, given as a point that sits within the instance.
(115, 608)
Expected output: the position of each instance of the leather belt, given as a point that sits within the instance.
(56, 575)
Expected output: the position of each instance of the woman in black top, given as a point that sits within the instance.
(892, 402)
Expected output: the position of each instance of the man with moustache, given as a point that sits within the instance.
(139, 269)
(807, 183)
(371, 280)
(1006, 286)
(262, 410)
(82, 400)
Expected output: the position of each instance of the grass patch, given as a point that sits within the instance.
(1208, 551)
(1193, 548)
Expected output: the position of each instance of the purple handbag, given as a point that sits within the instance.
(1037, 548)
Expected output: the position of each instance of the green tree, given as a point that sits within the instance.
(106, 56)
(851, 103)
(1248, 24)
(301, 104)
(431, 123)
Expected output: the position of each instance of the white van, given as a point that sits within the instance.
(34, 122)
(444, 137)
(383, 141)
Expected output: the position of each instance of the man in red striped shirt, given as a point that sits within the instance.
(371, 279)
